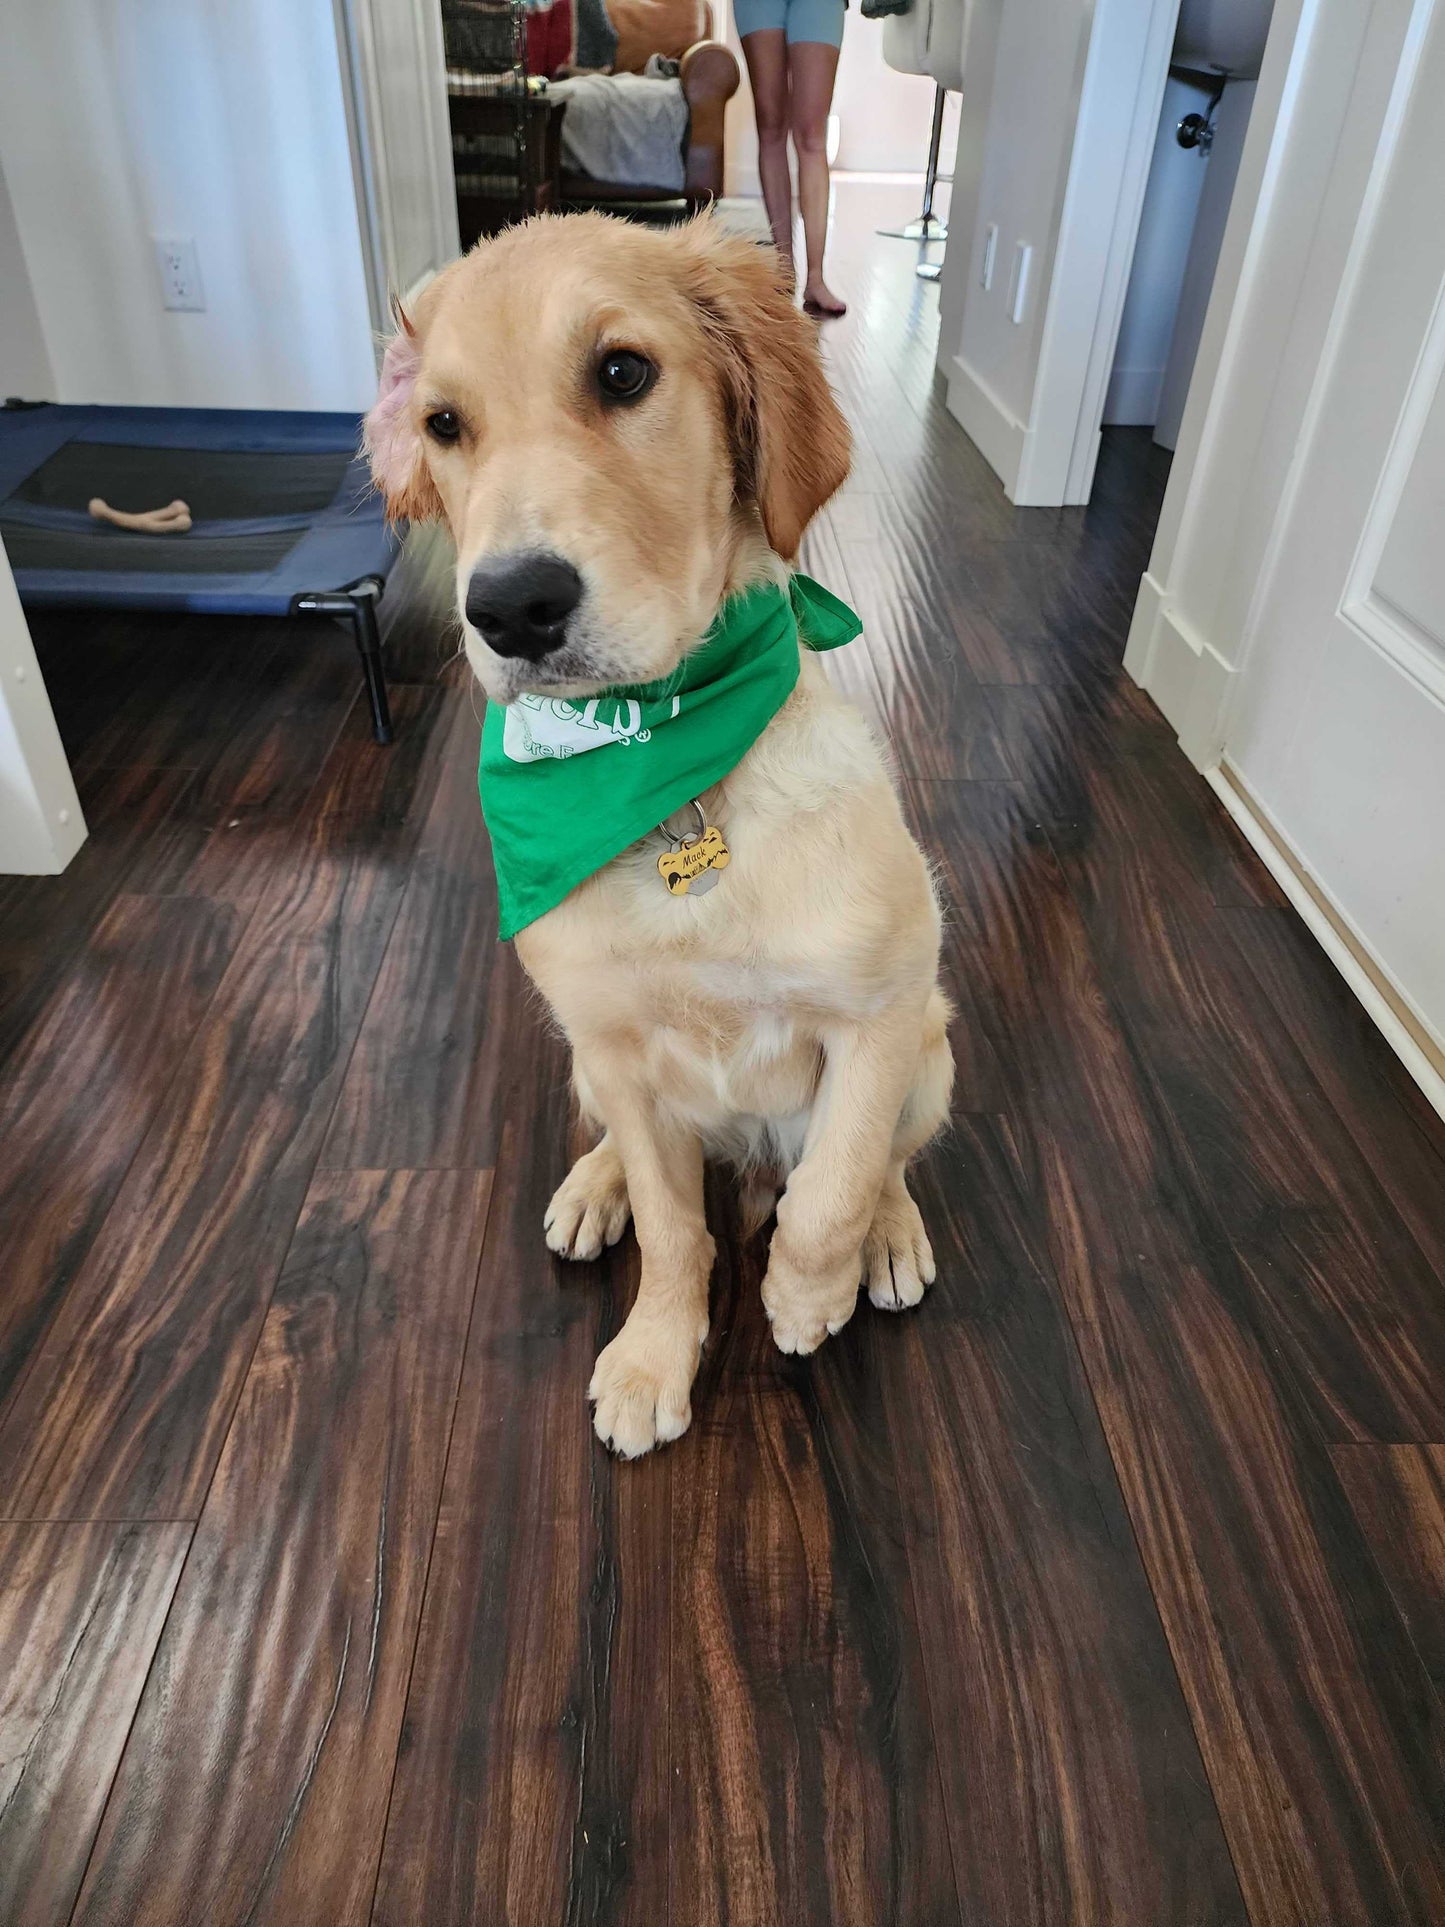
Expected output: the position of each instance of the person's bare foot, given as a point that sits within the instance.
(819, 299)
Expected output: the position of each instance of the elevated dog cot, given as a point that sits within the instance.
(284, 521)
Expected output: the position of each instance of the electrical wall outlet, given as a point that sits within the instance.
(180, 274)
(990, 252)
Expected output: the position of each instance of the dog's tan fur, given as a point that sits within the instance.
(790, 1019)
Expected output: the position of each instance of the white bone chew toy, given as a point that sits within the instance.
(174, 519)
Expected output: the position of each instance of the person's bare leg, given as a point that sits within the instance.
(766, 53)
(812, 65)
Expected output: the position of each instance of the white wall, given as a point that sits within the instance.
(1037, 80)
(24, 365)
(1161, 251)
(188, 118)
(884, 117)
(969, 157)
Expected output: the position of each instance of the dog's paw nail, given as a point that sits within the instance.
(891, 1298)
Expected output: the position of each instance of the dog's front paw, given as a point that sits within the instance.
(590, 1208)
(805, 1307)
(897, 1257)
(642, 1385)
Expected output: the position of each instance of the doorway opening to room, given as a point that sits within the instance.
(1208, 97)
(1088, 236)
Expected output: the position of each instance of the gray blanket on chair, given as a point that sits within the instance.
(625, 129)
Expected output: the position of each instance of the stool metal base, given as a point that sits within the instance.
(928, 228)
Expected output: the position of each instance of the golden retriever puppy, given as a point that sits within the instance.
(627, 431)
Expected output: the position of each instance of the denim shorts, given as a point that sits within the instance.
(799, 19)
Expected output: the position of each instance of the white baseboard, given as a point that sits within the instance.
(1140, 646)
(1182, 671)
(999, 435)
(1403, 1028)
(1132, 397)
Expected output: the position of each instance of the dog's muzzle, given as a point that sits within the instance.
(520, 604)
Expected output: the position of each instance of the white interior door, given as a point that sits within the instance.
(1337, 724)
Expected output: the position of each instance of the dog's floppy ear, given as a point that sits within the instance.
(392, 437)
(791, 445)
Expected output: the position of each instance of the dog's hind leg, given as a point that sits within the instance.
(816, 1257)
(898, 1262)
(757, 1200)
(590, 1207)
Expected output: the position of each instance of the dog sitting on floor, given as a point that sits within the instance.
(627, 431)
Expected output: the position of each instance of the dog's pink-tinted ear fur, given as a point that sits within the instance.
(392, 439)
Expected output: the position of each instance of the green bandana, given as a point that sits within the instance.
(567, 784)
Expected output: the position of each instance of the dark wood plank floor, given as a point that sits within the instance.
(1107, 1590)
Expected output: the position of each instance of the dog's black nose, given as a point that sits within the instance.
(519, 604)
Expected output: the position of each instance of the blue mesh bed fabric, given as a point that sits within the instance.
(281, 505)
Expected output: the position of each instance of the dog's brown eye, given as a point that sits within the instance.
(624, 375)
(444, 425)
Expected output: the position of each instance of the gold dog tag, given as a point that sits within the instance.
(693, 867)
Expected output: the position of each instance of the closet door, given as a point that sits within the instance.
(1337, 728)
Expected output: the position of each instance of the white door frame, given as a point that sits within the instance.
(41, 826)
(1113, 148)
(1275, 290)
(393, 73)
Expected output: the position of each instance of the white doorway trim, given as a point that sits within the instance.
(1125, 71)
(393, 72)
(41, 826)
(1265, 332)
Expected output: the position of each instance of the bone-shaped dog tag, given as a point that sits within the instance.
(692, 868)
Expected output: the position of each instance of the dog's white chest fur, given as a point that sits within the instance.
(732, 997)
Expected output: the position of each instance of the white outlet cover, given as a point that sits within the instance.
(180, 270)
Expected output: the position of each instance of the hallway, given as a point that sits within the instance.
(1104, 1591)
